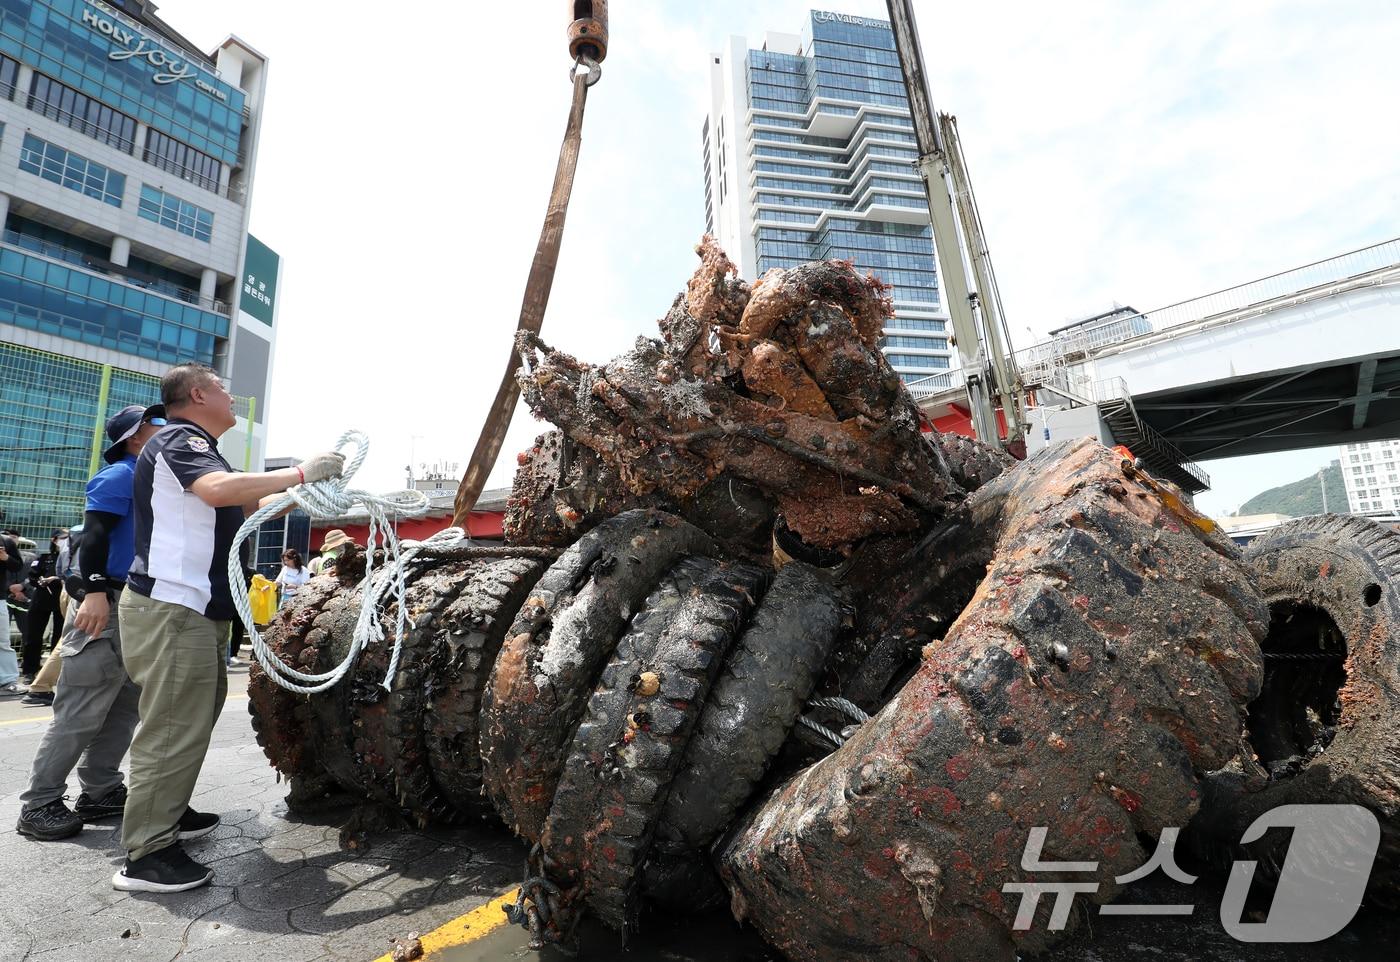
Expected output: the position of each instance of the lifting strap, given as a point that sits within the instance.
(537, 287)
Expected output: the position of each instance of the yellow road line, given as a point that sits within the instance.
(48, 716)
(477, 923)
(27, 721)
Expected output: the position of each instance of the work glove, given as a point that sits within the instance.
(320, 467)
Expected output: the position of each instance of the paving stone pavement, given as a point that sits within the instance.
(283, 889)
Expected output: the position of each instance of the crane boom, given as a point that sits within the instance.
(985, 358)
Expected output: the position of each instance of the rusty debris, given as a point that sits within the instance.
(801, 656)
(407, 950)
(782, 386)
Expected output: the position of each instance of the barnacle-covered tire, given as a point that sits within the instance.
(328, 712)
(594, 757)
(364, 729)
(971, 462)
(1101, 666)
(753, 705)
(401, 719)
(1326, 726)
(470, 631)
(648, 737)
(557, 647)
(281, 719)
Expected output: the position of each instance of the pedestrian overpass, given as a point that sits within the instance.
(1304, 358)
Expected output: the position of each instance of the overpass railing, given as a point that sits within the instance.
(1041, 362)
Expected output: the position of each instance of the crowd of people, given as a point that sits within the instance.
(137, 609)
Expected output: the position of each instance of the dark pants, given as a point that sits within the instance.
(235, 637)
(43, 610)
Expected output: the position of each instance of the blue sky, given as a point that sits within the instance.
(1137, 153)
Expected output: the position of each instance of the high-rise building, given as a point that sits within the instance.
(809, 153)
(1371, 472)
(126, 166)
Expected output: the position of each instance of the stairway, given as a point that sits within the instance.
(1160, 456)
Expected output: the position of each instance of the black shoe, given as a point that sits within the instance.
(196, 824)
(44, 698)
(50, 822)
(90, 810)
(168, 870)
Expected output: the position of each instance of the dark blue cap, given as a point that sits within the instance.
(124, 424)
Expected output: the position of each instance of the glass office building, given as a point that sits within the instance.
(126, 165)
(808, 155)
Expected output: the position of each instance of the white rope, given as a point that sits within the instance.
(325, 500)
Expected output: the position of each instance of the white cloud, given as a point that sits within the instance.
(1145, 153)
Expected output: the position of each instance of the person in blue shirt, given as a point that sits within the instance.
(95, 708)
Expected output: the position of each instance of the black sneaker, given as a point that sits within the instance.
(196, 824)
(168, 870)
(49, 823)
(90, 810)
(43, 698)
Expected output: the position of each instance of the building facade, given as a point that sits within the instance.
(809, 154)
(126, 166)
(1371, 472)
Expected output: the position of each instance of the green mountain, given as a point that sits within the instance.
(1301, 497)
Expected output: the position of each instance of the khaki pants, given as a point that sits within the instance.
(53, 664)
(176, 656)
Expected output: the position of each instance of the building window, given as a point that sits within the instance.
(82, 113)
(53, 163)
(184, 161)
(170, 211)
(53, 298)
(924, 343)
(917, 360)
(9, 73)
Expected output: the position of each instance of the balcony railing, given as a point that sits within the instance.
(89, 262)
(81, 124)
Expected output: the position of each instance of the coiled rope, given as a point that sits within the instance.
(324, 500)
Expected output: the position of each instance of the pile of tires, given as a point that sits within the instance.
(619, 722)
(621, 710)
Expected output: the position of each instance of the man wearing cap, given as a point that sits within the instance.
(189, 504)
(95, 703)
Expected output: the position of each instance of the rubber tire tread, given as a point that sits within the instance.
(1089, 684)
(281, 720)
(330, 711)
(753, 705)
(972, 463)
(687, 659)
(402, 718)
(556, 648)
(1328, 562)
(469, 636)
(574, 811)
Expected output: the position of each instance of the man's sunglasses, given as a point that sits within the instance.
(158, 422)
